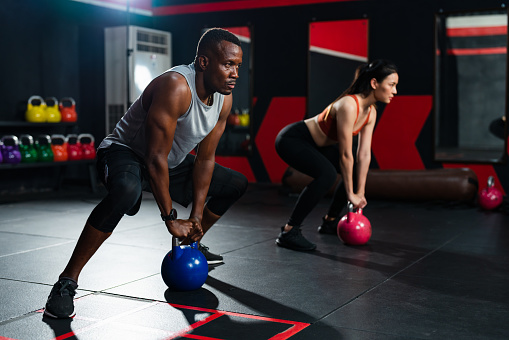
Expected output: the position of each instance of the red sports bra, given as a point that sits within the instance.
(328, 124)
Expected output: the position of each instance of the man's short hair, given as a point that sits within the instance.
(213, 37)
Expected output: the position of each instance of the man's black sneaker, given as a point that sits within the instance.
(211, 258)
(328, 227)
(60, 303)
(294, 240)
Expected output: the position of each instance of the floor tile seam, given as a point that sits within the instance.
(29, 217)
(265, 260)
(247, 246)
(146, 247)
(125, 296)
(120, 230)
(426, 255)
(442, 278)
(124, 283)
(37, 211)
(25, 281)
(37, 235)
(390, 277)
(40, 283)
(37, 249)
(18, 317)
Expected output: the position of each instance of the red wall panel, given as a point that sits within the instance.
(395, 135)
(281, 112)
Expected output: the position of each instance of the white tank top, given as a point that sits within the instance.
(191, 128)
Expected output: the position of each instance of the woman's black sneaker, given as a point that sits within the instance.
(328, 227)
(294, 240)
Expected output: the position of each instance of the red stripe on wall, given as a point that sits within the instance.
(477, 51)
(476, 31)
(234, 6)
(346, 36)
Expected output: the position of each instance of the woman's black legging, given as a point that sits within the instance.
(296, 147)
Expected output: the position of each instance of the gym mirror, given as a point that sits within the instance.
(470, 86)
(236, 139)
(336, 49)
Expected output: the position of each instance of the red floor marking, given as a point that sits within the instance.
(191, 336)
(4, 338)
(296, 328)
(183, 332)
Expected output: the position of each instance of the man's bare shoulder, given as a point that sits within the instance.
(169, 91)
(171, 80)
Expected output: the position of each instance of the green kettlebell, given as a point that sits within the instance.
(27, 149)
(43, 146)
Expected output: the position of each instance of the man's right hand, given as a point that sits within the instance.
(184, 229)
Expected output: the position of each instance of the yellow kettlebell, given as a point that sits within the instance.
(53, 114)
(36, 110)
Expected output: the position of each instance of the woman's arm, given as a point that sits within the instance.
(364, 154)
(345, 110)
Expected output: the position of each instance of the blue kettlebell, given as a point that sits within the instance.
(184, 268)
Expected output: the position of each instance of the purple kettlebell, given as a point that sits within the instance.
(10, 149)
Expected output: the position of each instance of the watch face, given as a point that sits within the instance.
(171, 217)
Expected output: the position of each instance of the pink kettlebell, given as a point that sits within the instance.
(490, 197)
(354, 228)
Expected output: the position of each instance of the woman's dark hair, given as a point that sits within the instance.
(213, 37)
(378, 69)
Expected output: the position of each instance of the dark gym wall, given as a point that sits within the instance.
(401, 31)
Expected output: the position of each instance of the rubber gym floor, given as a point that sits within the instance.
(431, 270)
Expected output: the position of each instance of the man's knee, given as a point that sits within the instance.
(124, 197)
(227, 192)
(240, 184)
(127, 190)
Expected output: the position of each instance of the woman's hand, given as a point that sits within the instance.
(358, 201)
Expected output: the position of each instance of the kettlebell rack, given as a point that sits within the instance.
(21, 127)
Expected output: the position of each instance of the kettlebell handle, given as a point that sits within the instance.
(350, 209)
(176, 243)
(10, 139)
(176, 250)
(67, 99)
(491, 182)
(51, 99)
(39, 98)
(86, 135)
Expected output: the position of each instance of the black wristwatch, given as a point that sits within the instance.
(171, 217)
